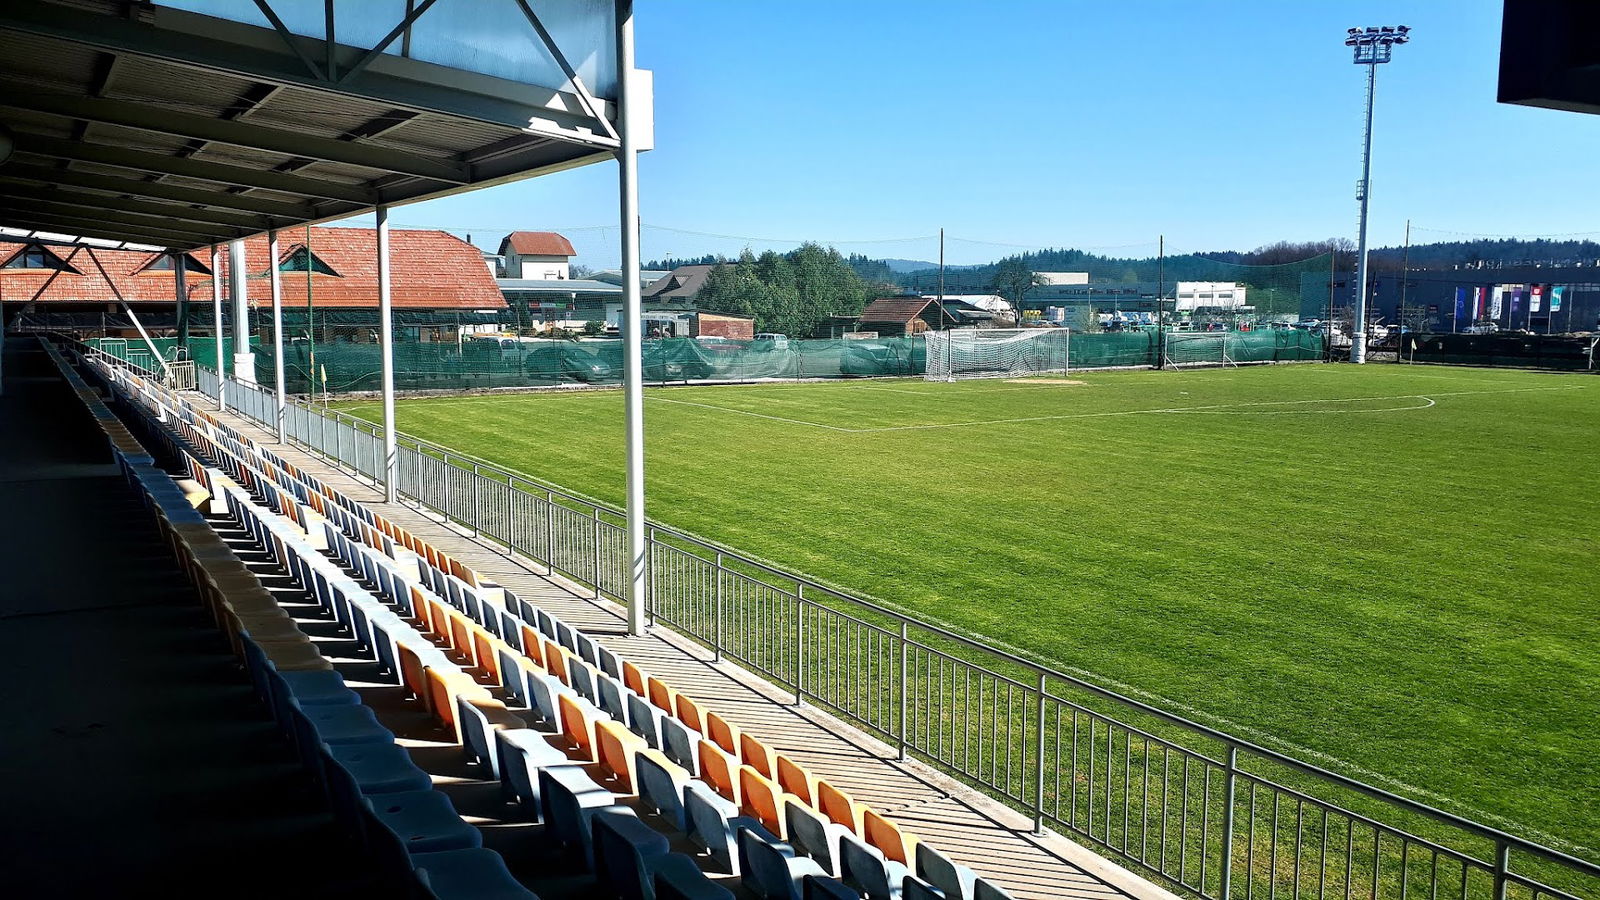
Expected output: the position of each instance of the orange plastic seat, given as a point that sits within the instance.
(758, 797)
(721, 733)
(484, 651)
(532, 645)
(576, 728)
(689, 712)
(887, 837)
(756, 755)
(461, 635)
(555, 661)
(661, 696)
(413, 675)
(616, 748)
(444, 687)
(633, 678)
(838, 806)
(795, 780)
(716, 770)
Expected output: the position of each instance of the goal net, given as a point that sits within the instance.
(1186, 350)
(995, 352)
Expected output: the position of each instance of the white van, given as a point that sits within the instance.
(779, 341)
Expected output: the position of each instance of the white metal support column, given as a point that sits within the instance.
(632, 320)
(277, 327)
(244, 362)
(216, 326)
(391, 466)
(180, 296)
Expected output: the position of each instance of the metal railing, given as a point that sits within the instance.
(1209, 813)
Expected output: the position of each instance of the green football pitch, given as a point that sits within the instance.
(1385, 570)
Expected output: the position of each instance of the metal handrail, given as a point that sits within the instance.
(1503, 841)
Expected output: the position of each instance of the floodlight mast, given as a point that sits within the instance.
(1373, 46)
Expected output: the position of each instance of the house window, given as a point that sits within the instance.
(301, 259)
(36, 256)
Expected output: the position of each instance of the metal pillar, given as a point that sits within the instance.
(216, 326)
(386, 349)
(244, 362)
(633, 320)
(1358, 339)
(180, 290)
(277, 327)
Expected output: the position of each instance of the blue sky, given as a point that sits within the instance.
(1222, 125)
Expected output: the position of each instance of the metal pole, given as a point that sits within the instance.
(1358, 345)
(1039, 751)
(180, 290)
(216, 326)
(905, 686)
(1405, 275)
(1161, 293)
(633, 344)
(386, 350)
(1230, 781)
(277, 328)
(941, 278)
(244, 362)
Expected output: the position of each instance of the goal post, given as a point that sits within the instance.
(1182, 350)
(995, 352)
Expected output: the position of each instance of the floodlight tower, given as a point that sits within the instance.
(1373, 46)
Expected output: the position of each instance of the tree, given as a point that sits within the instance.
(594, 327)
(788, 293)
(1012, 279)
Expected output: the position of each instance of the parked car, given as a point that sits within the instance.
(778, 341)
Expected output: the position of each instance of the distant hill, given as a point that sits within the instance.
(901, 266)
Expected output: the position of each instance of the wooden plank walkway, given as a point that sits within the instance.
(993, 839)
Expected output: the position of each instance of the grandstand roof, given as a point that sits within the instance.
(536, 243)
(431, 269)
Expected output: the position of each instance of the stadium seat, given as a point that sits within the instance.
(345, 724)
(883, 834)
(626, 852)
(719, 732)
(838, 807)
(812, 835)
(467, 875)
(633, 678)
(646, 721)
(611, 694)
(479, 719)
(583, 679)
(577, 727)
(522, 753)
(678, 878)
(616, 749)
(569, 798)
(769, 870)
(688, 712)
(755, 754)
(984, 889)
(717, 770)
(794, 779)
(819, 888)
(758, 799)
(863, 867)
(379, 768)
(914, 888)
(955, 880)
(424, 821)
(713, 826)
(609, 663)
(661, 696)
(661, 787)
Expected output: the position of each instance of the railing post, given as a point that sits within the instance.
(595, 513)
(550, 530)
(1502, 869)
(650, 588)
(799, 637)
(716, 641)
(1038, 749)
(477, 511)
(905, 686)
(1230, 779)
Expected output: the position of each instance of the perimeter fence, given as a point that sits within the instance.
(1206, 812)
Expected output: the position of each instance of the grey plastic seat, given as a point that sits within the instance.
(713, 825)
(523, 752)
(769, 869)
(583, 680)
(984, 889)
(570, 798)
(626, 852)
(611, 694)
(818, 887)
(944, 873)
(678, 878)
(643, 719)
(379, 768)
(914, 888)
(608, 662)
(588, 650)
(678, 742)
(467, 875)
(543, 688)
(424, 821)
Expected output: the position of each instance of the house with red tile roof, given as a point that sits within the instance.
(434, 274)
(538, 255)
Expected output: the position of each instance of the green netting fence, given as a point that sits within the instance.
(497, 362)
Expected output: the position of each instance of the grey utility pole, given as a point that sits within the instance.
(1373, 47)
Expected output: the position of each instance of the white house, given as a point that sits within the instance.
(540, 255)
(1209, 295)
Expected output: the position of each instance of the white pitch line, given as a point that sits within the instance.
(751, 414)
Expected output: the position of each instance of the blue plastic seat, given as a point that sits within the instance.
(813, 836)
(818, 887)
(984, 889)
(583, 676)
(955, 880)
(863, 867)
(914, 888)
(610, 698)
(318, 687)
(678, 878)
(467, 875)
(543, 689)
(522, 753)
(345, 724)
(679, 743)
(379, 768)
(625, 853)
(608, 662)
(659, 791)
(643, 719)
(713, 825)
(587, 649)
(424, 821)
(569, 798)
(769, 869)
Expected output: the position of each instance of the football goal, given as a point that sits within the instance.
(995, 352)
(1182, 350)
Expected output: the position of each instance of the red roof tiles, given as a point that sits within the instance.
(430, 270)
(536, 243)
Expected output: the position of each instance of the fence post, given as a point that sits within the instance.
(1502, 868)
(650, 593)
(550, 530)
(716, 642)
(477, 500)
(905, 686)
(1038, 746)
(1230, 780)
(595, 512)
(799, 637)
